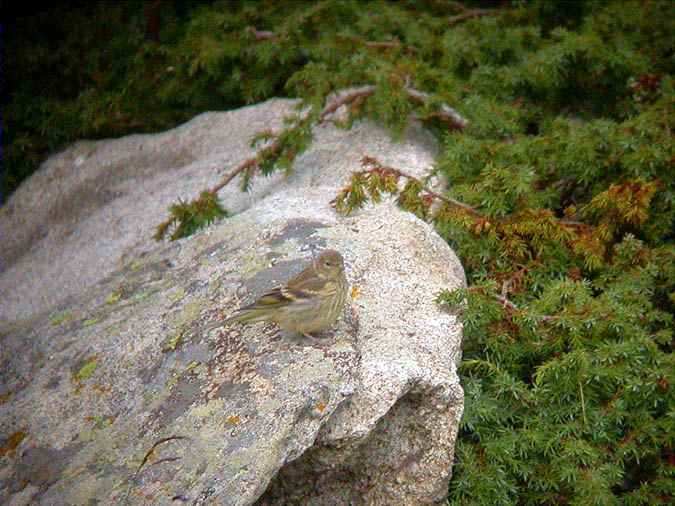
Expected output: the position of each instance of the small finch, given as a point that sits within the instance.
(309, 302)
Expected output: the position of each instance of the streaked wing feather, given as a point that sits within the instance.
(274, 297)
(306, 281)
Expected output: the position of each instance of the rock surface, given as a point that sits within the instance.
(94, 207)
(118, 394)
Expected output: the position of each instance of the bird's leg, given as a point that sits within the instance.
(310, 337)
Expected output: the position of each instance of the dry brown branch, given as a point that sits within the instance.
(501, 298)
(261, 34)
(390, 45)
(376, 166)
(513, 282)
(250, 164)
(572, 223)
(346, 98)
(467, 14)
(383, 45)
(445, 112)
(147, 456)
(506, 302)
(350, 97)
(512, 307)
(367, 161)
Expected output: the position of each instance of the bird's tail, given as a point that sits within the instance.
(244, 315)
(241, 315)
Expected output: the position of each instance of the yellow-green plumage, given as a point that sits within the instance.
(309, 302)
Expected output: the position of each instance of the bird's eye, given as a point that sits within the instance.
(327, 263)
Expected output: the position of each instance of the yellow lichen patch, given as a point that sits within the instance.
(189, 312)
(233, 420)
(86, 371)
(192, 365)
(321, 407)
(113, 330)
(140, 296)
(173, 380)
(65, 317)
(355, 291)
(172, 343)
(10, 444)
(115, 296)
(209, 411)
(177, 295)
(191, 368)
(100, 422)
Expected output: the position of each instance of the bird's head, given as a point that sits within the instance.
(329, 264)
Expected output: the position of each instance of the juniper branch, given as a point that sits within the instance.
(349, 97)
(377, 166)
(261, 35)
(467, 14)
(383, 45)
(445, 112)
(249, 164)
(346, 98)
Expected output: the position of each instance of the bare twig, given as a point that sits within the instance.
(383, 45)
(445, 112)
(261, 34)
(501, 298)
(583, 403)
(355, 95)
(368, 161)
(164, 460)
(572, 223)
(147, 457)
(466, 14)
(250, 164)
(512, 307)
(352, 96)
(447, 200)
(506, 302)
(155, 445)
(391, 45)
(346, 98)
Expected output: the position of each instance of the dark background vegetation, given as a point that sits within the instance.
(560, 199)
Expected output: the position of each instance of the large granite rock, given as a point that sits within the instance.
(119, 395)
(94, 207)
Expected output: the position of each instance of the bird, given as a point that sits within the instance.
(309, 302)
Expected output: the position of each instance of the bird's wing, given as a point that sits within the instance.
(305, 284)
(274, 297)
(302, 287)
